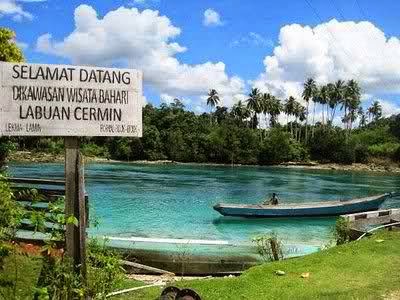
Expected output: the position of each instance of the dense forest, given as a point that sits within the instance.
(233, 136)
(251, 132)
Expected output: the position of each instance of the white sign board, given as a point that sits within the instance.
(62, 100)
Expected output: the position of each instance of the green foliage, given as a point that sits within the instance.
(9, 50)
(373, 136)
(341, 231)
(91, 149)
(59, 280)
(396, 155)
(394, 126)
(10, 212)
(384, 150)
(104, 270)
(6, 146)
(332, 145)
(172, 133)
(120, 148)
(361, 154)
(269, 247)
(50, 145)
(279, 147)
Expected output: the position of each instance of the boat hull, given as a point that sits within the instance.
(281, 211)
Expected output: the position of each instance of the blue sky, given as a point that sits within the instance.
(228, 51)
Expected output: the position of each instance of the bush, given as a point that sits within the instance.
(93, 150)
(104, 270)
(361, 154)
(373, 136)
(269, 247)
(396, 155)
(341, 232)
(51, 145)
(279, 147)
(383, 150)
(332, 144)
(5, 147)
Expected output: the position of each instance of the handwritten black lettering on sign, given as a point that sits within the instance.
(56, 100)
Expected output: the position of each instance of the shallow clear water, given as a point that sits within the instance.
(170, 201)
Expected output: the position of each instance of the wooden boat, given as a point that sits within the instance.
(312, 209)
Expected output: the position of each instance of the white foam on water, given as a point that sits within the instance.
(169, 241)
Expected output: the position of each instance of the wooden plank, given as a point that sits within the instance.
(52, 194)
(29, 227)
(146, 268)
(75, 205)
(36, 181)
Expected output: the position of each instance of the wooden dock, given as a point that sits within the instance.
(361, 223)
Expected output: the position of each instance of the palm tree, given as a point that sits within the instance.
(351, 101)
(212, 100)
(240, 111)
(375, 111)
(336, 96)
(300, 113)
(323, 96)
(363, 117)
(253, 104)
(288, 109)
(265, 105)
(309, 92)
(275, 109)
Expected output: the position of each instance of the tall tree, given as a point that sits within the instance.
(323, 96)
(212, 100)
(309, 91)
(275, 109)
(240, 111)
(363, 117)
(351, 102)
(253, 104)
(289, 108)
(300, 113)
(265, 106)
(336, 91)
(375, 111)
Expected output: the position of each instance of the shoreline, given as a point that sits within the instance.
(40, 157)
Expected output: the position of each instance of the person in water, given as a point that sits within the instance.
(273, 200)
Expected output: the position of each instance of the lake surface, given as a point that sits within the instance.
(175, 201)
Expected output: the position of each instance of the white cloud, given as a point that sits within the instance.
(14, 9)
(389, 108)
(253, 39)
(212, 18)
(143, 2)
(329, 51)
(142, 40)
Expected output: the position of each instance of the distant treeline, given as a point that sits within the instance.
(231, 137)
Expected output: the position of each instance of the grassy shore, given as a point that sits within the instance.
(369, 269)
(381, 166)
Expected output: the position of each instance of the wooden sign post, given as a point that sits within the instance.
(71, 102)
(75, 206)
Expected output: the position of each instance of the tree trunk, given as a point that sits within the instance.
(307, 122)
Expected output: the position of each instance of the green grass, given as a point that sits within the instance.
(359, 270)
(26, 270)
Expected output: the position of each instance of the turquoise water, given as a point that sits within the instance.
(175, 201)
